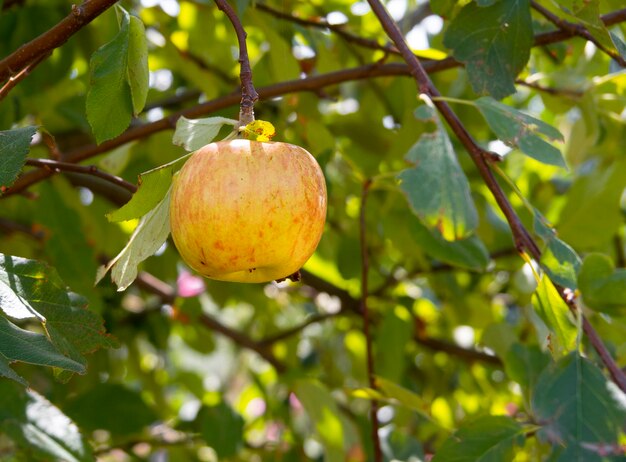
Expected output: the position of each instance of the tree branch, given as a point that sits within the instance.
(576, 29)
(53, 38)
(17, 78)
(58, 166)
(371, 372)
(523, 240)
(249, 95)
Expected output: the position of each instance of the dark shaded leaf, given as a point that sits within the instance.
(437, 188)
(112, 407)
(38, 428)
(494, 43)
(14, 147)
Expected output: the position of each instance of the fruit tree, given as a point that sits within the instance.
(411, 216)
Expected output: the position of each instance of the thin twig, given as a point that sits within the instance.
(523, 240)
(17, 78)
(551, 90)
(371, 372)
(79, 17)
(58, 166)
(249, 95)
(576, 29)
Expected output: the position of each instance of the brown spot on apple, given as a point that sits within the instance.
(218, 245)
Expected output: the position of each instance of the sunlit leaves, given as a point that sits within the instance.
(40, 429)
(522, 131)
(485, 439)
(31, 290)
(556, 314)
(436, 187)
(192, 134)
(559, 260)
(14, 147)
(118, 80)
(603, 287)
(148, 237)
(153, 185)
(494, 42)
(579, 408)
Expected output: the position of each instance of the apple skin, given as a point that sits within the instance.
(248, 211)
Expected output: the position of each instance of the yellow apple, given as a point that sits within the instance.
(248, 211)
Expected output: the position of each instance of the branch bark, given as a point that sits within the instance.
(79, 17)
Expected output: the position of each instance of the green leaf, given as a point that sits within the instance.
(17, 344)
(522, 131)
(6, 371)
(557, 316)
(437, 188)
(193, 134)
(494, 43)
(112, 407)
(602, 286)
(148, 237)
(109, 101)
(485, 439)
(591, 217)
(324, 414)
(578, 407)
(404, 396)
(14, 147)
(138, 74)
(394, 333)
(222, 429)
(153, 186)
(524, 364)
(558, 260)
(38, 428)
(31, 290)
(587, 13)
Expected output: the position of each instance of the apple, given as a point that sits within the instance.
(248, 211)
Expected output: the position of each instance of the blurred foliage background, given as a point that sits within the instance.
(205, 370)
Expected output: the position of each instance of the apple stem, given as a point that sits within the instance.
(248, 93)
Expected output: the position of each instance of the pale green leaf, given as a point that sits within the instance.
(579, 407)
(153, 186)
(437, 188)
(587, 13)
(522, 131)
(557, 316)
(109, 102)
(14, 147)
(148, 237)
(138, 74)
(39, 428)
(485, 439)
(602, 285)
(494, 43)
(192, 134)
